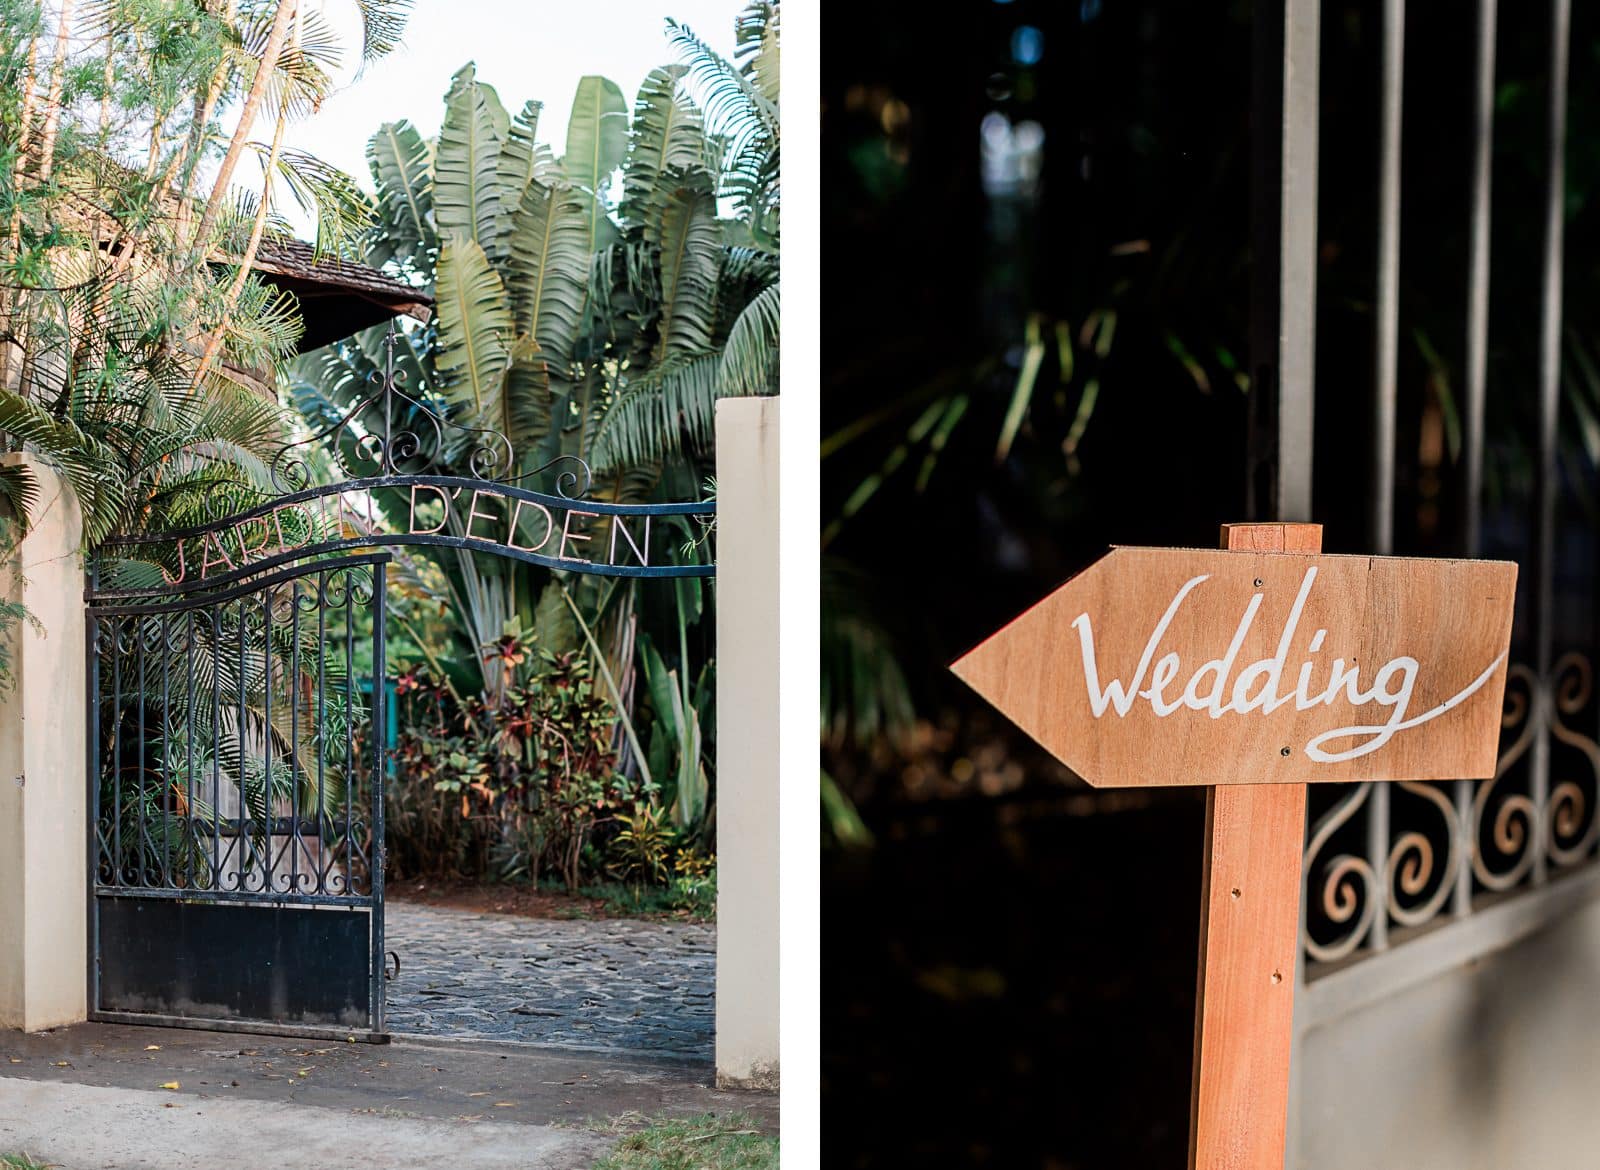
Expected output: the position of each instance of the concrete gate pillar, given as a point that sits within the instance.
(747, 742)
(43, 788)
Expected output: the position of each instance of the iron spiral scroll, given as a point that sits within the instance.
(389, 433)
(1496, 831)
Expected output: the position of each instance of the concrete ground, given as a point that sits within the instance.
(91, 1097)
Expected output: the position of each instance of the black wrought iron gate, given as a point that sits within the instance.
(236, 705)
(236, 829)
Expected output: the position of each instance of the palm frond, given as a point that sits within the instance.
(667, 133)
(656, 412)
(750, 354)
(548, 274)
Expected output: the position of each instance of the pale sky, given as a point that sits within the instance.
(524, 48)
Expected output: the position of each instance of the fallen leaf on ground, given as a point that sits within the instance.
(152, 1048)
(171, 1085)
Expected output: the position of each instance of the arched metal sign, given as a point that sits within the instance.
(237, 673)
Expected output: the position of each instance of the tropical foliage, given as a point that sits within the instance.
(593, 305)
(128, 307)
(142, 166)
(515, 787)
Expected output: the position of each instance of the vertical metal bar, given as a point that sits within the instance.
(246, 832)
(294, 736)
(269, 881)
(1286, 57)
(379, 735)
(1477, 386)
(1386, 305)
(1386, 350)
(349, 724)
(166, 746)
(118, 879)
(323, 850)
(216, 747)
(142, 870)
(1549, 412)
(1477, 362)
(92, 753)
(190, 845)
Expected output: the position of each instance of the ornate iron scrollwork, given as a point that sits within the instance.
(390, 432)
(1502, 834)
(1573, 825)
(1514, 831)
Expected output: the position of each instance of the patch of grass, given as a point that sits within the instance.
(708, 1142)
(23, 1162)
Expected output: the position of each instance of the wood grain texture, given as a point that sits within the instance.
(1453, 617)
(1249, 938)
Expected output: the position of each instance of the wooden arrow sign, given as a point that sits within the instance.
(1188, 666)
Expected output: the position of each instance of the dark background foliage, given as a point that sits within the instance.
(1008, 969)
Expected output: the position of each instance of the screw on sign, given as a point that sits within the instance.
(1255, 670)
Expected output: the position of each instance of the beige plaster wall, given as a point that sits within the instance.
(43, 789)
(747, 742)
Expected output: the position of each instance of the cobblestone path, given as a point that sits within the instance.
(613, 984)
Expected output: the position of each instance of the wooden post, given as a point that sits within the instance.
(1249, 939)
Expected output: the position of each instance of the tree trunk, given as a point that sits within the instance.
(247, 115)
(52, 100)
(214, 342)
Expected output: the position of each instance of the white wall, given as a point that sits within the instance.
(43, 787)
(747, 742)
(1486, 1062)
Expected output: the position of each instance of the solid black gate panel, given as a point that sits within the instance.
(235, 961)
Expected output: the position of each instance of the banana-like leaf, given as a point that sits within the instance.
(686, 232)
(597, 133)
(523, 160)
(466, 186)
(549, 276)
(401, 161)
(756, 46)
(474, 328)
(668, 132)
(553, 623)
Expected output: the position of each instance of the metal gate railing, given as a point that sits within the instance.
(236, 845)
(236, 829)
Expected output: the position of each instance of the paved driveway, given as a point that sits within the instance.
(608, 984)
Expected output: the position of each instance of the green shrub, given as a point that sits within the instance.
(509, 789)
